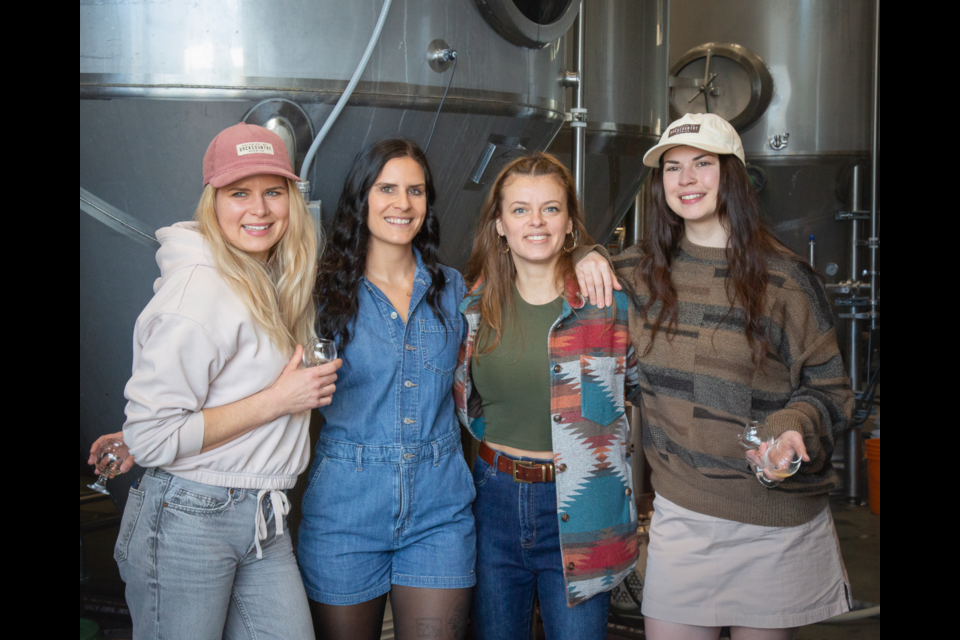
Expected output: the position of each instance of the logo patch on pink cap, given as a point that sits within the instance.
(254, 147)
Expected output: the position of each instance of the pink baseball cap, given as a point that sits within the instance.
(245, 150)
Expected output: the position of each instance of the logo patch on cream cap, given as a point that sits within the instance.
(706, 131)
(686, 128)
(254, 147)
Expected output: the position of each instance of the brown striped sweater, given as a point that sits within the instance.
(700, 387)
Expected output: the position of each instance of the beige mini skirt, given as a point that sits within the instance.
(711, 572)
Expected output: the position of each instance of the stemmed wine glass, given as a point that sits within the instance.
(110, 456)
(780, 459)
(320, 351)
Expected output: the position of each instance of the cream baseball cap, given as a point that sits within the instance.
(705, 131)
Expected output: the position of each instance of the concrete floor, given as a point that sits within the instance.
(857, 528)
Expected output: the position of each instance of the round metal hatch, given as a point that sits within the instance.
(726, 79)
(529, 23)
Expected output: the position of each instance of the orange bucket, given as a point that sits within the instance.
(872, 449)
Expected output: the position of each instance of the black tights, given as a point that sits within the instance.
(417, 613)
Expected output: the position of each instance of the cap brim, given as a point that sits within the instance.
(229, 177)
(652, 157)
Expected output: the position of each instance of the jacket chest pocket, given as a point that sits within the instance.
(439, 346)
(601, 388)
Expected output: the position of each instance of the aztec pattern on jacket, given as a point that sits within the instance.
(592, 364)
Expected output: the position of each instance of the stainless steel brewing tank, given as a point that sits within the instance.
(625, 85)
(159, 80)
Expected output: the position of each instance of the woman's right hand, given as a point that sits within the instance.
(299, 389)
(92, 460)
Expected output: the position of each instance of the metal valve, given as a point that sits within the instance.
(779, 141)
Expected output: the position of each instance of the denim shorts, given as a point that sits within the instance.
(375, 516)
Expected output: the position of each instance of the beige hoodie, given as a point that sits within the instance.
(195, 345)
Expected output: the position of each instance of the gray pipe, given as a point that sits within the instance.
(874, 241)
(342, 102)
(579, 125)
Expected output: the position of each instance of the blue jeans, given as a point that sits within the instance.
(187, 554)
(518, 559)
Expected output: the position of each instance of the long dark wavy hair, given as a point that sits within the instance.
(345, 258)
(751, 244)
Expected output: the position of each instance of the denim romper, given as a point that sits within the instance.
(390, 494)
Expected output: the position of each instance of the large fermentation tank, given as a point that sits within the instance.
(159, 80)
(625, 85)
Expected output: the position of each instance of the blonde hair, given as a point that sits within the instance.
(278, 293)
(495, 269)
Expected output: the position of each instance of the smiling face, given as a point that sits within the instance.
(397, 203)
(534, 219)
(254, 212)
(691, 184)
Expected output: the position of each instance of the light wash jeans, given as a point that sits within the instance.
(187, 553)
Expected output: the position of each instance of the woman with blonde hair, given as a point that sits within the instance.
(541, 383)
(218, 407)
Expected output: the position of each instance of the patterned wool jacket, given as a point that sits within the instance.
(592, 365)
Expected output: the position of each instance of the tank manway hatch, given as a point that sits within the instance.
(529, 23)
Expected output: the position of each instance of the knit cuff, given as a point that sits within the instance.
(581, 252)
(788, 420)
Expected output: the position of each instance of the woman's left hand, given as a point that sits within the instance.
(596, 280)
(794, 438)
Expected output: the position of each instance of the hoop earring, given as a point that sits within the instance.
(576, 239)
(506, 245)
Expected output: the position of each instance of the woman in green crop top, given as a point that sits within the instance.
(541, 383)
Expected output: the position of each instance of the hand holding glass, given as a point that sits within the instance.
(320, 351)
(779, 458)
(110, 457)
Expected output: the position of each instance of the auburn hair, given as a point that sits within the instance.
(493, 268)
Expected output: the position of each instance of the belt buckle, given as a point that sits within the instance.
(530, 465)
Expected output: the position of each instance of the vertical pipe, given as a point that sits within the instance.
(853, 355)
(853, 443)
(813, 251)
(873, 177)
(579, 132)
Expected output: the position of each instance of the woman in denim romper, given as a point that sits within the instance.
(388, 505)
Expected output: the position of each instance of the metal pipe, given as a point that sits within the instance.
(579, 120)
(342, 102)
(853, 353)
(813, 251)
(874, 241)
(853, 451)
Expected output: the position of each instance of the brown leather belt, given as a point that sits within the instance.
(521, 470)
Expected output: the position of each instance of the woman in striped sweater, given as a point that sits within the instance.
(730, 327)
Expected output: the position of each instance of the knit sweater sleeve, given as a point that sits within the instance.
(803, 334)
